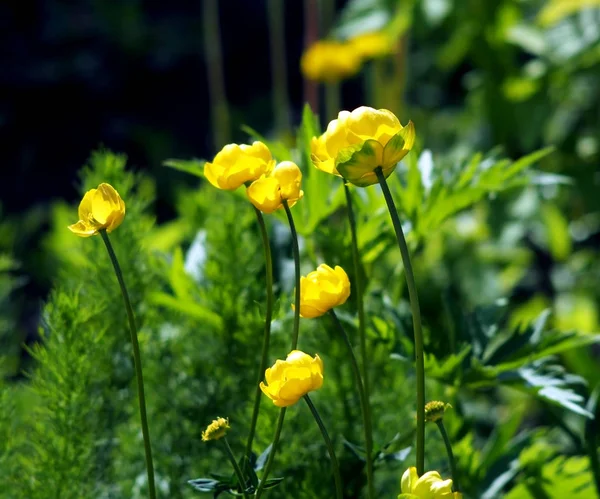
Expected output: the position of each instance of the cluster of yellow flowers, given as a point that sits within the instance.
(331, 60)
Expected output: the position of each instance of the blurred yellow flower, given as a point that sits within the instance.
(330, 61)
(374, 44)
(269, 191)
(290, 379)
(323, 289)
(428, 486)
(215, 430)
(358, 142)
(237, 164)
(100, 209)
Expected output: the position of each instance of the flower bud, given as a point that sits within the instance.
(100, 209)
(322, 290)
(216, 430)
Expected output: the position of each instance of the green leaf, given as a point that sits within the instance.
(189, 308)
(192, 166)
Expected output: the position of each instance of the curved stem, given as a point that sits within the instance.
(137, 363)
(364, 405)
(236, 466)
(296, 251)
(267, 332)
(440, 425)
(269, 464)
(339, 493)
(416, 314)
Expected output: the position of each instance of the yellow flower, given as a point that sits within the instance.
(323, 289)
(100, 209)
(237, 164)
(217, 429)
(373, 44)
(429, 486)
(290, 379)
(358, 142)
(330, 61)
(434, 410)
(269, 191)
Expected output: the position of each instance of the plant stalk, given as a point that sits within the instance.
(339, 492)
(281, 101)
(296, 251)
(364, 405)
(267, 331)
(137, 363)
(236, 466)
(416, 314)
(440, 425)
(271, 458)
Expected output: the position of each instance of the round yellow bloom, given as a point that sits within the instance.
(374, 44)
(269, 191)
(330, 61)
(290, 379)
(215, 430)
(428, 486)
(100, 209)
(358, 142)
(323, 289)
(237, 164)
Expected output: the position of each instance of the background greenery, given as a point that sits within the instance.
(499, 202)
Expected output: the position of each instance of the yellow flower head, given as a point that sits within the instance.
(290, 379)
(323, 289)
(434, 410)
(330, 61)
(358, 142)
(428, 486)
(217, 429)
(269, 191)
(374, 44)
(100, 209)
(237, 164)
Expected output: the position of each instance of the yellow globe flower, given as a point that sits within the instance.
(374, 44)
(330, 61)
(269, 191)
(237, 164)
(100, 209)
(358, 142)
(428, 486)
(290, 379)
(216, 430)
(322, 290)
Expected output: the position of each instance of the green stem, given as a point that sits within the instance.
(591, 437)
(137, 363)
(416, 313)
(296, 251)
(332, 100)
(281, 99)
(440, 425)
(339, 493)
(364, 405)
(269, 464)
(236, 467)
(267, 332)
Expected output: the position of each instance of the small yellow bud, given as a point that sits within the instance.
(323, 289)
(434, 410)
(100, 209)
(216, 430)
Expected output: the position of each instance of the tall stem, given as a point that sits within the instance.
(311, 35)
(267, 331)
(269, 464)
(332, 101)
(416, 314)
(236, 467)
(339, 493)
(364, 405)
(281, 99)
(296, 251)
(137, 363)
(219, 110)
(440, 425)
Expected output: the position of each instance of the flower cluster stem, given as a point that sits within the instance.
(364, 405)
(236, 467)
(271, 458)
(440, 425)
(137, 363)
(267, 330)
(416, 315)
(296, 251)
(339, 493)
